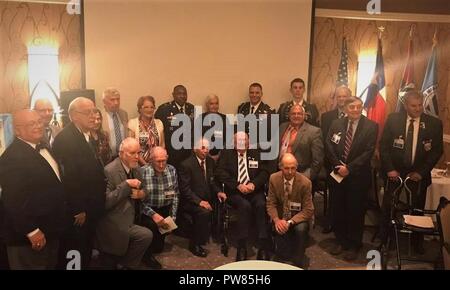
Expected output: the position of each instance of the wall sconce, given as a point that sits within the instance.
(43, 75)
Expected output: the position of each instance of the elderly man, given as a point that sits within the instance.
(161, 183)
(117, 232)
(349, 146)
(297, 91)
(341, 94)
(84, 179)
(244, 175)
(219, 134)
(410, 146)
(45, 110)
(115, 120)
(304, 141)
(33, 197)
(290, 208)
(166, 113)
(198, 192)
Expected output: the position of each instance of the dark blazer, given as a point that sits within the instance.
(33, 196)
(113, 228)
(219, 135)
(193, 185)
(430, 132)
(227, 171)
(83, 176)
(361, 151)
(311, 116)
(326, 119)
(165, 113)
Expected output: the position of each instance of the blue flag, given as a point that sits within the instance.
(429, 86)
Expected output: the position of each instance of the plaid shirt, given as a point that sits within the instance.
(156, 186)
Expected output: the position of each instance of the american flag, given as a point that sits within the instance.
(407, 82)
(342, 70)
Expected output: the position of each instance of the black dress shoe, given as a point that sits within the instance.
(241, 254)
(151, 262)
(327, 229)
(198, 251)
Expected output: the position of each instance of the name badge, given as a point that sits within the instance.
(422, 125)
(218, 134)
(170, 194)
(399, 143)
(253, 164)
(295, 206)
(427, 145)
(336, 138)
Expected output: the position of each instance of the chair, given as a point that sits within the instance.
(399, 208)
(443, 220)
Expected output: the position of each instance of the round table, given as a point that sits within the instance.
(257, 265)
(440, 186)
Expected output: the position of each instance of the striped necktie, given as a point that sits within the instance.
(243, 176)
(348, 141)
(117, 132)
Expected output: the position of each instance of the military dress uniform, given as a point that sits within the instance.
(263, 111)
(166, 113)
(311, 112)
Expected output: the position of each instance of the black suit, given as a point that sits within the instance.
(85, 184)
(350, 196)
(33, 196)
(246, 205)
(426, 157)
(194, 188)
(165, 113)
(219, 135)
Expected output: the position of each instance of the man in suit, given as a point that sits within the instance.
(304, 141)
(244, 175)
(115, 120)
(298, 90)
(410, 146)
(45, 110)
(290, 207)
(262, 113)
(33, 197)
(117, 232)
(83, 179)
(166, 113)
(198, 193)
(349, 146)
(341, 94)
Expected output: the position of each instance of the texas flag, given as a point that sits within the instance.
(375, 102)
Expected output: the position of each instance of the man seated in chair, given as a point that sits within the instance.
(290, 208)
(244, 175)
(198, 190)
(117, 232)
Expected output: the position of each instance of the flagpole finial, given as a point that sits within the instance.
(381, 30)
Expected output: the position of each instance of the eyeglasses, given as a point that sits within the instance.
(88, 113)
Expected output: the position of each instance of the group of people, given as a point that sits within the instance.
(116, 185)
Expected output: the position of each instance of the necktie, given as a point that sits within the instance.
(117, 132)
(253, 110)
(348, 141)
(182, 110)
(243, 176)
(341, 115)
(48, 134)
(202, 165)
(41, 146)
(409, 143)
(286, 210)
(137, 203)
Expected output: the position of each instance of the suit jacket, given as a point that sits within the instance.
(311, 116)
(219, 135)
(362, 148)
(83, 176)
(165, 113)
(112, 230)
(227, 170)
(123, 117)
(194, 187)
(428, 151)
(308, 149)
(300, 193)
(33, 196)
(326, 119)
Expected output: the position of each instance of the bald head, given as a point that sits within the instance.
(241, 141)
(82, 113)
(288, 165)
(158, 156)
(341, 94)
(28, 126)
(129, 152)
(45, 110)
(201, 148)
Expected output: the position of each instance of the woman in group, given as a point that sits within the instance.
(218, 134)
(146, 129)
(100, 140)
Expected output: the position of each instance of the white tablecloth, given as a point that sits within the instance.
(257, 265)
(440, 186)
